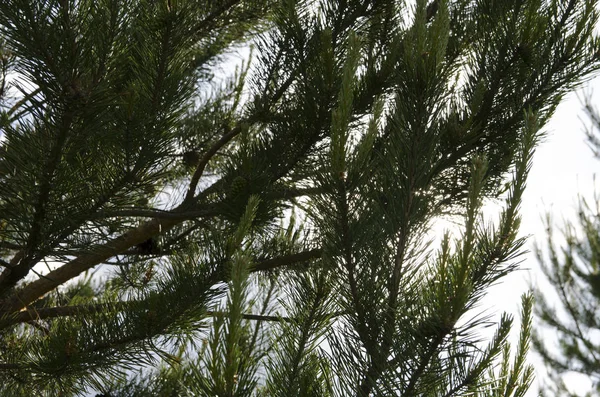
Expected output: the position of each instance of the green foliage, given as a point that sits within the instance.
(269, 232)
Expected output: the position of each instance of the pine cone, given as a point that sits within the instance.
(148, 247)
(594, 281)
(524, 52)
(238, 186)
(432, 9)
(191, 158)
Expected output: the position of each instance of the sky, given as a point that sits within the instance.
(563, 167)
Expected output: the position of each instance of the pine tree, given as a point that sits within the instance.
(569, 309)
(169, 231)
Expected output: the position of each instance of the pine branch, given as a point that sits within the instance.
(208, 23)
(424, 362)
(225, 139)
(377, 364)
(139, 68)
(189, 211)
(5, 264)
(10, 246)
(26, 295)
(578, 334)
(21, 262)
(254, 317)
(21, 102)
(9, 367)
(29, 315)
(286, 260)
(189, 198)
(64, 234)
(174, 215)
(101, 253)
(32, 291)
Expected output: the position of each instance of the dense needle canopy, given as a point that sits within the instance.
(269, 233)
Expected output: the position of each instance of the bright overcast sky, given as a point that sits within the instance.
(563, 166)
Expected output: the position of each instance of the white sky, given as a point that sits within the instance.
(563, 167)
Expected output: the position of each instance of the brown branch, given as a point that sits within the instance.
(250, 316)
(65, 233)
(206, 158)
(21, 102)
(5, 264)
(274, 263)
(288, 194)
(158, 214)
(11, 246)
(97, 255)
(29, 315)
(31, 292)
(423, 364)
(9, 367)
(260, 265)
(101, 253)
(208, 22)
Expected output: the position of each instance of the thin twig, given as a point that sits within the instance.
(9, 367)
(33, 314)
(274, 263)
(206, 158)
(157, 214)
